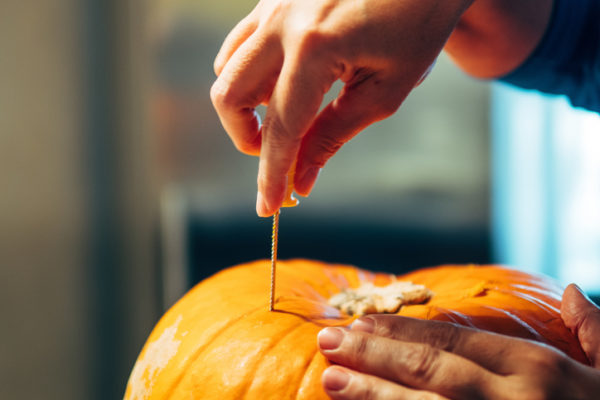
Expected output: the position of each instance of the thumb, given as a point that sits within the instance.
(582, 317)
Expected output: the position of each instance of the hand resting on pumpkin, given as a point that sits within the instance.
(392, 357)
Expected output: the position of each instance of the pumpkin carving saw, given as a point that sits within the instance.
(220, 341)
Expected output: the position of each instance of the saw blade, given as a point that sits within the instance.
(274, 236)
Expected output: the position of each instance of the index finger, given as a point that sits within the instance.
(293, 106)
(484, 348)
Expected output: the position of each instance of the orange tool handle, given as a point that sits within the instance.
(289, 199)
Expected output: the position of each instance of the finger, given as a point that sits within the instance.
(582, 317)
(344, 384)
(469, 343)
(357, 106)
(292, 108)
(417, 365)
(245, 82)
(234, 39)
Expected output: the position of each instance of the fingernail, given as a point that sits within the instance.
(261, 206)
(308, 179)
(335, 379)
(364, 324)
(330, 338)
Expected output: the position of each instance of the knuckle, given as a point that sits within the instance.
(228, 99)
(217, 67)
(220, 95)
(311, 38)
(392, 326)
(326, 147)
(279, 135)
(275, 11)
(360, 348)
(549, 361)
(275, 129)
(541, 383)
(369, 391)
(421, 361)
(442, 336)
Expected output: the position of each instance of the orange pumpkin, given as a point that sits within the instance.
(220, 341)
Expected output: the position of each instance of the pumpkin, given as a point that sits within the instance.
(220, 341)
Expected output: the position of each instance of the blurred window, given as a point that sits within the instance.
(546, 186)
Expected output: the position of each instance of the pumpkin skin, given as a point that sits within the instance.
(220, 341)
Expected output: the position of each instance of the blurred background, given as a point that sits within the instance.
(120, 189)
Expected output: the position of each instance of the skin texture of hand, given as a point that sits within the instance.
(582, 317)
(287, 54)
(391, 357)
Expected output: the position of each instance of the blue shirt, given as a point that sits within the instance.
(567, 59)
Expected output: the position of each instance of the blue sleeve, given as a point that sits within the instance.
(567, 59)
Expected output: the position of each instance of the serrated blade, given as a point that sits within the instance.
(274, 240)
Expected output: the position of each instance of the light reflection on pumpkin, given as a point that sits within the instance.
(230, 346)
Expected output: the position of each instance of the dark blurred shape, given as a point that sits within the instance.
(216, 244)
(121, 262)
(104, 258)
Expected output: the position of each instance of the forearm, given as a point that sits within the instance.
(493, 37)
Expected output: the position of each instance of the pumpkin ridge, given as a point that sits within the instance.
(244, 390)
(429, 311)
(173, 387)
(341, 320)
(306, 368)
(323, 282)
(542, 304)
(455, 317)
(522, 323)
(545, 292)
